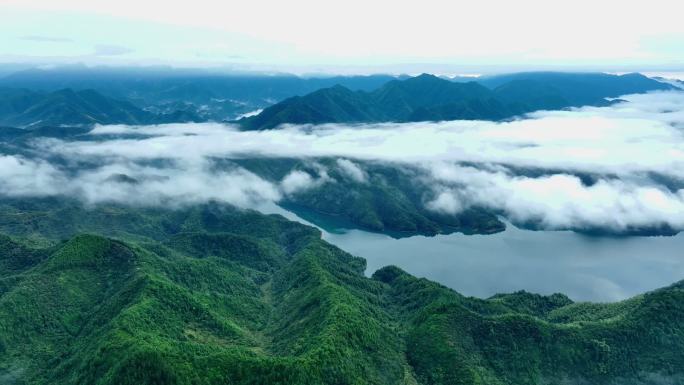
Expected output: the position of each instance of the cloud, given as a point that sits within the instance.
(619, 167)
(558, 201)
(24, 177)
(122, 182)
(352, 170)
(296, 181)
(642, 135)
(250, 113)
(46, 39)
(111, 50)
(446, 202)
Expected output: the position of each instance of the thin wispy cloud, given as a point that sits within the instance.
(46, 39)
(111, 50)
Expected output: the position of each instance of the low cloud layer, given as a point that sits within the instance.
(558, 201)
(530, 170)
(352, 170)
(644, 134)
(173, 185)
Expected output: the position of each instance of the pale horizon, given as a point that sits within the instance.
(304, 37)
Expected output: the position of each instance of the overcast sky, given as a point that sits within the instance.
(346, 36)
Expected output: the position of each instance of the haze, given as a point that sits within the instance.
(353, 36)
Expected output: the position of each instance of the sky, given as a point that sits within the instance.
(346, 36)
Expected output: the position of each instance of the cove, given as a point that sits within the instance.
(583, 267)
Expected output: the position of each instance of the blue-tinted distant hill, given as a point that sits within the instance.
(212, 95)
(429, 98)
(66, 107)
(575, 88)
(148, 95)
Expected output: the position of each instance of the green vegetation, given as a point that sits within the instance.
(429, 98)
(530, 339)
(31, 109)
(84, 96)
(183, 93)
(390, 199)
(216, 295)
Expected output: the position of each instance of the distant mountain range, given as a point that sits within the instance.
(30, 109)
(81, 96)
(429, 98)
(212, 96)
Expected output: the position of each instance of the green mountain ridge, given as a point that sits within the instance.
(391, 200)
(429, 98)
(213, 295)
(209, 95)
(80, 96)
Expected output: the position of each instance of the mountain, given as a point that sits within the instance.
(215, 295)
(429, 98)
(193, 95)
(29, 109)
(389, 200)
(402, 98)
(398, 100)
(214, 96)
(329, 105)
(579, 89)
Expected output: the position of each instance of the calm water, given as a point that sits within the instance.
(586, 268)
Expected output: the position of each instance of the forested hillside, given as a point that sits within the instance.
(429, 98)
(216, 295)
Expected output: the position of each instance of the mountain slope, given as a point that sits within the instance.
(402, 98)
(395, 101)
(387, 199)
(106, 312)
(246, 298)
(329, 105)
(456, 340)
(29, 110)
(579, 89)
(211, 95)
(429, 98)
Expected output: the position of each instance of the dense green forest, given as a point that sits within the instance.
(34, 109)
(430, 98)
(216, 295)
(389, 199)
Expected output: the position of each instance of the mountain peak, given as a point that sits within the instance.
(425, 78)
(425, 75)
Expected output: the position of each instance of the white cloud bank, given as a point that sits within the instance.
(466, 163)
(644, 134)
(558, 201)
(181, 184)
(352, 170)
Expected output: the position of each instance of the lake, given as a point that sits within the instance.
(586, 268)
